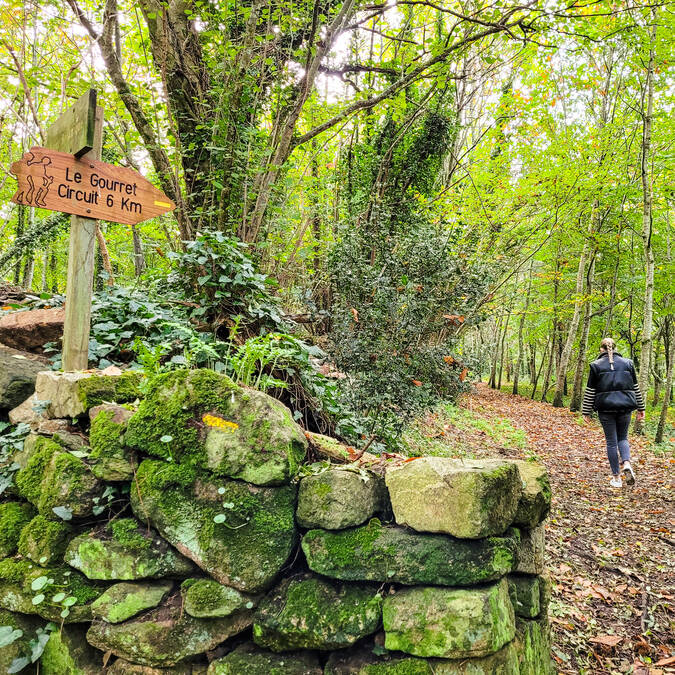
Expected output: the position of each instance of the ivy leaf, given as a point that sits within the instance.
(8, 634)
(63, 512)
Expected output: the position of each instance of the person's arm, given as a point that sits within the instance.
(589, 396)
(638, 394)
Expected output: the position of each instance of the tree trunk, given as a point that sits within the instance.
(501, 359)
(495, 357)
(105, 256)
(549, 368)
(661, 427)
(521, 325)
(648, 316)
(575, 403)
(139, 260)
(538, 372)
(579, 301)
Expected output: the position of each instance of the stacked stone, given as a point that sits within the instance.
(177, 538)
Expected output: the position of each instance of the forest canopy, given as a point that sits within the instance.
(376, 202)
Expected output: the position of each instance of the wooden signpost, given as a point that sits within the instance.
(68, 176)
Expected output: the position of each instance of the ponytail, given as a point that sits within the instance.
(609, 346)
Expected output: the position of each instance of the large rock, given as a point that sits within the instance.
(201, 418)
(124, 667)
(247, 659)
(14, 516)
(306, 612)
(467, 499)
(374, 552)
(73, 394)
(165, 636)
(339, 498)
(111, 459)
(206, 599)
(535, 501)
(22, 582)
(54, 478)
(533, 644)
(449, 623)
(122, 601)
(18, 371)
(241, 534)
(364, 661)
(125, 550)
(68, 653)
(43, 540)
(531, 554)
(32, 329)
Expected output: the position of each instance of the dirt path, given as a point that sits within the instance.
(611, 553)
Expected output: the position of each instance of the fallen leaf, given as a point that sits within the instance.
(606, 640)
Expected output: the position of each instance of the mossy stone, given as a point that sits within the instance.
(532, 550)
(375, 552)
(533, 644)
(19, 647)
(206, 598)
(73, 394)
(339, 498)
(365, 660)
(125, 550)
(14, 516)
(43, 540)
(535, 501)
(54, 478)
(122, 601)
(17, 594)
(449, 623)
(307, 612)
(165, 636)
(68, 653)
(111, 459)
(525, 594)
(212, 423)
(124, 667)
(464, 498)
(247, 550)
(247, 659)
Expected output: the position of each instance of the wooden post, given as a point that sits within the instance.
(79, 131)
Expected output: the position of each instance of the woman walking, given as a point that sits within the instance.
(613, 392)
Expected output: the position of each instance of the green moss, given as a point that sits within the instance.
(64, 579)
(105, 436)
(312, 613)
(199, 418)
(410, 666)
(13, 571)
(172, 404)
(43, 541)
(373, 552)
(57, 659)
(98, 389)
(29, 479)
(63, 466)
(14, 516)
(126, 532)
(247, 550)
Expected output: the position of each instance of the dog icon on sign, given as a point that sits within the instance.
(34, 183)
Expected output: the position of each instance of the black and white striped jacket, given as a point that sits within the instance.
(612, 390)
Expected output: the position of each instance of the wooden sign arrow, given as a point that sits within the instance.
(57, 181)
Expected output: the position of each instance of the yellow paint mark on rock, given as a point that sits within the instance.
(219, 423)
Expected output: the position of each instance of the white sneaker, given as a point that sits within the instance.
(616, 482)
(628, 473)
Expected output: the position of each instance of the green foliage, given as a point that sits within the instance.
(395, 274)
(217, 273)
(11, 441)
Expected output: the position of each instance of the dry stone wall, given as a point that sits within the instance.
(193, 531)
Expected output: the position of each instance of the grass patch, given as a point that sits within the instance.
(452, 431)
